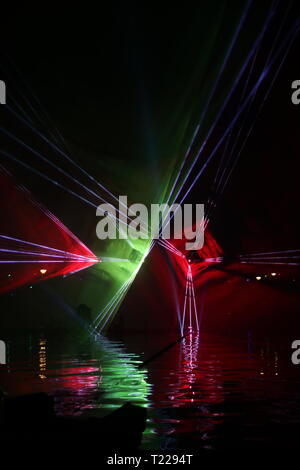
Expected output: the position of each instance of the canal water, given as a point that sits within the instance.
(204, 392)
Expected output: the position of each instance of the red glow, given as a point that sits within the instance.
(24, 218)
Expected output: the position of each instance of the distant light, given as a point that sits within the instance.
(258, 278)
(43, 271)
(30, 287)
(273, 274)
(9, 275)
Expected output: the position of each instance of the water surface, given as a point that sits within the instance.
(205, 392)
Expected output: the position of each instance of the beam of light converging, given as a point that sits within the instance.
(247, 135)
(123, 215)
(51, 249)
(121, 220)
(286, 44)
(229, 157)
(49, 162)
(98, 318)
(223, 180)
(170, 247)
(166, 245)
(112, 216)
(190, 315)
(23, 253)
(231, 92)
(116, 304)
(65, 173)
(274, 43)
(43, 175)
(49, 215)
(190, 319)
(68, 175)
(288, 40)
(109, 309)
(107, 313)
(222, 108)
(62, 153)
(59, 150)
(35, 253)
(212, 92)
(70, 191)
(104, 318)
(121, 294)
(101, 316)
(170, 250)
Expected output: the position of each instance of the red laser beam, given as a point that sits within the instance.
(28, 224)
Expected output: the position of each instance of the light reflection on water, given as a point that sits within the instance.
(204, 392)
(101, 376)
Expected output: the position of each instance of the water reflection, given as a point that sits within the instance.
(42, 359)
(203, 393)
(97, 374)
(195, 385)
(223, 393)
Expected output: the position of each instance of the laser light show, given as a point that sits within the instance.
(149, 238)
